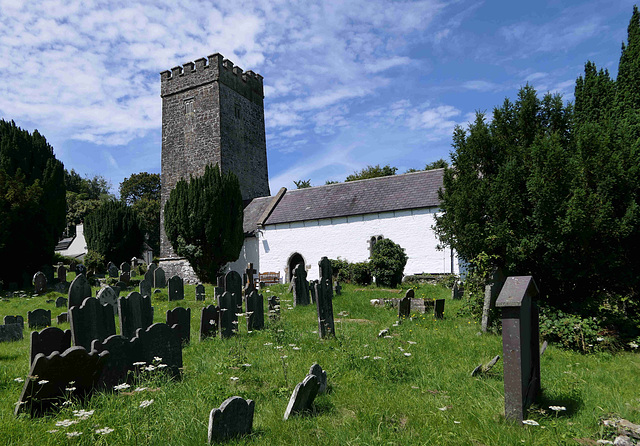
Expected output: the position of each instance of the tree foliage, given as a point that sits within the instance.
(372, 172)
(141, 191)
(84, 195)
(302, 184)
(32, 201)
(203, 221)
(553, 190)
(387, 263)
(113, 231)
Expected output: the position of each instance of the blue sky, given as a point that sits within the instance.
(347, 84)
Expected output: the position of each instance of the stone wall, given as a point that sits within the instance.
(179, 267)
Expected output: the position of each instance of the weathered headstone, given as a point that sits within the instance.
(179, 319)
(404, 308)
(486, 367)
(14, 320)
(39, 283)
(125, 267)
(109, 296)
(312, 290)
(49, 273)
(520, 345)
(12, 329)
(337, 289)
(219, 289)
(176, 288)
(159, 278)
(61, 273)
(233, 285)
(90, 321)
(62, 318)
(125, 278)
(160, 341)
(317, 371)
(250, 274)
(112, 269)
(228, 318)
(411, 294)
(145, 288)
(302, 397)
(324, 300)
(274, 308)
(200, 294)
(52, 375)
(255, 311)
(438, 309)
(49, 340)
(209, 321)
(79, 290)
(39, 318)
(81, 269)
(121, 286)
(300, 286)
(233, 418)
(491, 292)
(61, 302)
(135, 312)
(149, 275)
(457, 291)
(118, 367)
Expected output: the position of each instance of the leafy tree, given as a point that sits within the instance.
(141, 191)
(32, 201)
(84, 195)
(372, 172)
(203, 221)
(331, 182)
(302, 184)
(113, 231)
(438, 164)
(387, 263)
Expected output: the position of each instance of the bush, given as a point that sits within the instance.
(94, 262)
(341, 269)
(387, 263)
(361, 273)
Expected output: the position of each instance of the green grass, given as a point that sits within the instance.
(394, 400)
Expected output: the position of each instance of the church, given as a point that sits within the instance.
(213, 112)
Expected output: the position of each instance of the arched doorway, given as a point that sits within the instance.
(294, 260)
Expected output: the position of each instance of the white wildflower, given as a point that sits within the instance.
(557, 408)
(146, 403)
(105, 430)
(296, 348)
(599, 339)
(140, 389)
(150, 368)
(411, 342)
(73, 434)
(52, 431)
(443, 408)
(234, 378)
(246, 365)
(157, 359)
(70, 389)
(121, 386)
(139, 363)
(456, 422)
(365, 357)
(633, 344)
(19, 380)
(43, 381)
(377, 357)
(268, 343)
(531, 422)
(66, 423)
(407, 354)
(162, 366)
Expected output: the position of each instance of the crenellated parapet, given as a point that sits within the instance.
(215, 68)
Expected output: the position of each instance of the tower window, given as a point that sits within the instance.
(236, 111)
(189, 106)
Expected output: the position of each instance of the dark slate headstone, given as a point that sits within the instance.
(62, 318)
(49, 340)
(125, 278)
(54, 375)
(228, 318)
(312, 290)
(11, 332)
(61, 302)
(145, 288)
(274, 308)
(300, 286)
(176, 288)
(317, 371)
(118, 368)
(233, 285)
(520, 345)
(159, 340)
(457, 291)
(135, 312)
(209, 322)
(491, 292)
(8, 320)
(324, 300)
(109, 296)
(81, 269)
(200, 294)
(410, 293)
(179, 319)
(159, 278)
(112, 270)
(302, 397)
(337, 289)
(233, 418)
(39, 283)
(61, 273)
(90, 321)
(219, 289)
(438, 310)
(125, 267)
(404, 308)
(485, 368)
(79, 290)
(255, 311)
(250, 274)
(121, 286)
(39, 318)
(48, 272)
(150, 273)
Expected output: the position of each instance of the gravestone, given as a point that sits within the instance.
(118, 367)
(491, 292)
(61, 302)
(209, 322)
(324, 300)
(135, 312)
(145, 288)
(61, 273)
(54, 375)
(404, 308)
(233, 285)
(228, 318)
(39, 283)
(160, 341)
(520, 345)
(302, 397)
(39, 318)
(73, 264)
(81, 269)
(90, 321)
(49, 340)
(312, 290)
(300, 286)
(200, 294)
(176, 288)
(125, 267)
(159, 278)
(79, 290)
(179, 319)
(457, 291)
(125, 278)
(120, 286)
(150, 273)
(274, 308)
(12, 329)
(14, 320)
(317, 371)
(112, 269)
(62, 318)
(250, 274)
(486, 367)
(219, 289)
(109, 296)
(255, 311)
(337, 289)
(234, 418)
(438, 309)
(48, 272)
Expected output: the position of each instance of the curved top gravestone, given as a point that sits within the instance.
(108, 295)
(79, 290)
(159, 278)
(233, 418)
(39, 283)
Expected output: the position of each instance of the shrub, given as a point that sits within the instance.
(387, 263)
(341, 269)
(94, 262)
(361, 273)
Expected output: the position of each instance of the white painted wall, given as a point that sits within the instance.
(249, 254)
(348, 238)
(78, 247)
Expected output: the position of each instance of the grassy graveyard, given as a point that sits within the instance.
(413, 387)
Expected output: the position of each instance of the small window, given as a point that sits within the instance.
(189, 106)
(372, 242)
(236, 111)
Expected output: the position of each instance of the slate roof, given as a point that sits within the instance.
(397, 192)
(252, 213)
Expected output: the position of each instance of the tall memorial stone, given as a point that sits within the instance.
(491, 292)
(255, 311)
(79, 290)
(135, 311)
(300, 286)
(219, 288)
(404, 307)
(179, 319)
(176, 288)
(161, 341)
(209, 321)
(274, 308)
(61, 273)
(151, 269)
(324, 300)
(125, 267)
(118, 368)
(233, 285)
(145, 288)
(90, 321)
(520, 345)
(159, 278)
(228, 318)
(112, 269)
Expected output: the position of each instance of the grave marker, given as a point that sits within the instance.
(160, 341)
(179, 319)
(79, 290)
(14, 320)
(176, 288)
(150, 273)
(11, 332)
(159, 278)
(62, 318)
(438, 309)
(404, 307)
(125, 267)
(317, 371)
(209, 322)
(274, 308)
(324, 300)
(300, 286)
(337, 289)
(145, 288)
(228, 318)
(118, 367)
(90, 321)
(109, 296)
(135, 312)
(302, 397)
(125, 278)
(112, 269)
(233, 418)
(233, 285)
(61, 302)
(491, 292)
(200, 294)
(49, 340)
(39, 318)
(61, 273)
(39, 283)
(219, 289)
(81, 269)
(255, 311)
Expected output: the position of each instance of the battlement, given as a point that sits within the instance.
(215, 68)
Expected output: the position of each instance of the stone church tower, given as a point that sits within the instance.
(212, 112)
